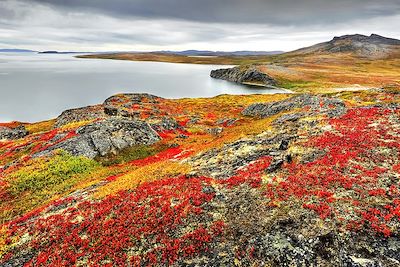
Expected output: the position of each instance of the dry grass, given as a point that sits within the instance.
(159, 57)
(302, 73)
(151, 172)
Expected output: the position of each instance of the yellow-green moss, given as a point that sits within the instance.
(49, 174)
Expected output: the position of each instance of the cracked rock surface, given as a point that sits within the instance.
(107, 136)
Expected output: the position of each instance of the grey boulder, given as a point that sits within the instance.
(10, 133)
(108, 136)
(317, 104)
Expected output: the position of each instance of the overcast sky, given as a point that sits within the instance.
(105, 25)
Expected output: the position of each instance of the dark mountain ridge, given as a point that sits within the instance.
(15, 50)
(221, 53)
(373, 46)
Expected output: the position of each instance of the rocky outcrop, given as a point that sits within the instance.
(214, 163)
(276, 237)
(373, 46)
(287, 127)
(79, 114)
(245, 75)
(13, 133)
(130, 99)
(165, 124)
(107, 136)
(117, 105)
(129, 105)
(317, 105)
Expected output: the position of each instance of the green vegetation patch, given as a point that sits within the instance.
(298, 84)
(130, 154)
(50, 175)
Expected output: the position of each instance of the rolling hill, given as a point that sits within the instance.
(222, 53)
(15, 50)
(349, 62)
(373, 46)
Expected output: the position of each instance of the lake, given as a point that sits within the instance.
(37, 87)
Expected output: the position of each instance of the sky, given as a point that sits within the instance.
(224, 25)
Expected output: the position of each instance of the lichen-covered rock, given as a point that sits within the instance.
(292, 117)
(317, 105)
(262, 235)
(10, 133)
(80, 114)
(245, 75)
(225, 161)
(227, 122)
(135, 98)
(165, 124)
(129, 105)
(19, 260)
(107, 136)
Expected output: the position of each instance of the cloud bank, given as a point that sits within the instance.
(145, 25)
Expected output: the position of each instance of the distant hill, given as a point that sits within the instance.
(221, 53)
(16, 50)
(337, 49)
(63, 52)
(373, 46)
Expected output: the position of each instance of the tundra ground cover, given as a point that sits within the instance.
(355, 182)
(150, 206)
(128, 223)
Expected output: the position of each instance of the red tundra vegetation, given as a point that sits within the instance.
(160, 207)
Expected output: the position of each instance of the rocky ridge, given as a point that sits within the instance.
(244, 75)
(373, 46)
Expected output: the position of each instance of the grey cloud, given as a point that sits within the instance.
(275, 12)
(104, 25)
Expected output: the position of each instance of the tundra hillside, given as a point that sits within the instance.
(260, 179)
(349, 62)
(298, 179)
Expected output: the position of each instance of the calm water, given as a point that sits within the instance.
(36, 87)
